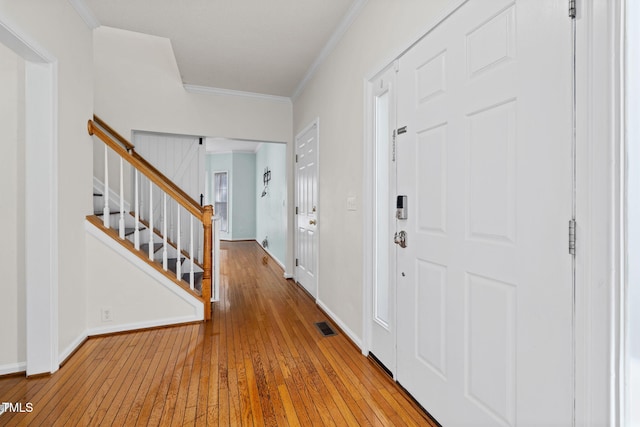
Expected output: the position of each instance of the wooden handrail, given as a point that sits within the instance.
(109, 129)
(150, 172)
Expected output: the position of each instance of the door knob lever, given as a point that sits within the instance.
(400, 238)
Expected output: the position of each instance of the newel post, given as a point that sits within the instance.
(207, 216)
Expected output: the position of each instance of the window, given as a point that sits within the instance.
(221, 197)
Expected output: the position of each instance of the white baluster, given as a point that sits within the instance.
(121, 224)
(105, 211)
(150, 220)
(191, 285)
(178, 264)
(136, 231)
(165, 259)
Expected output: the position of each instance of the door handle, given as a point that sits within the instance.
(312, 222)
(400, 239)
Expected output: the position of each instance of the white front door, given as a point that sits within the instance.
(484, 285)
(307, 209)
(383, 310)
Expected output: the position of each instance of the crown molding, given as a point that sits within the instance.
(85, 13)
(206, 90)
(349, 18)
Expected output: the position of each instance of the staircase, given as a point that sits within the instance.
(166, 228)
(157, 251)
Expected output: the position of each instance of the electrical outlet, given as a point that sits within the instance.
(107, 315)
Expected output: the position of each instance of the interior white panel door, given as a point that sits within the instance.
(307, 209)
(484, 284)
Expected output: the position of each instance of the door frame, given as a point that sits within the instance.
(315, 122)
(599, 373)
(631, 250)
(369, 199)
(41, 207)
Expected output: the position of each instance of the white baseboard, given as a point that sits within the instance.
(356, 339)
(101, 330)
(272, 256)
(287, 275)
(72, 347)
(13, 368)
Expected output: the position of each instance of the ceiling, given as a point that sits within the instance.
(267, 47)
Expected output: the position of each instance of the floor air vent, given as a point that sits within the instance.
(325, 329)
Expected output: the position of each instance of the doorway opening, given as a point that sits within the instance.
(246, 182)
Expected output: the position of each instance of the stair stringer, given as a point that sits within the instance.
(185, 306)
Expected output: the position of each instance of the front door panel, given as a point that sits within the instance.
(484, 284)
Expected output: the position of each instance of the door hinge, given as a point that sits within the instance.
(572, 237)
(296, 158)
(572, 9)
(297, 263)
(393, 147)
(296, 210)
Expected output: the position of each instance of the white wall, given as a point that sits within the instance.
(135, 299)
(12, 161)
(138, 86)
(336, 96)
(56, 27)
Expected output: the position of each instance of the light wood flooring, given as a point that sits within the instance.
(260, 361)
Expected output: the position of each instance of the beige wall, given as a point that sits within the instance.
(138, 87)
(56, 27)
(135, 299)
(336, 96)
(12, 285)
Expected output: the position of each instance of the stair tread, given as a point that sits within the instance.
(145, 247)
(171, 264)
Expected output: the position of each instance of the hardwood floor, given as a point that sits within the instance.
(260, 361)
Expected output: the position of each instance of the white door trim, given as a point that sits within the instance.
(599, 209)
(599, 205)
(316, 123)
(41, 198)
(630, 310)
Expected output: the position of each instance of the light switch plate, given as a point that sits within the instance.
(351, 203)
